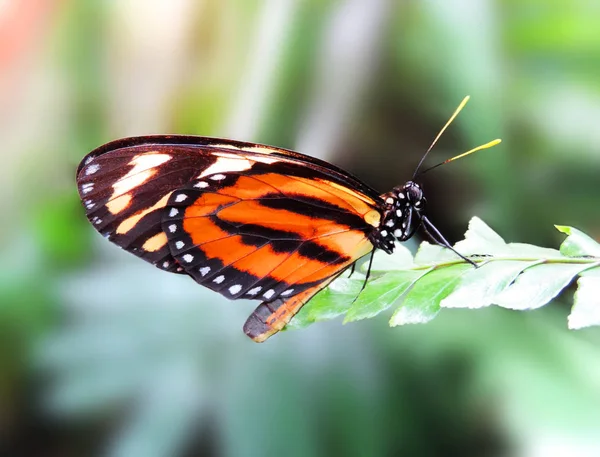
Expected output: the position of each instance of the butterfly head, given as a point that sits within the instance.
(413, 194)
(403, 207)
(403, 210)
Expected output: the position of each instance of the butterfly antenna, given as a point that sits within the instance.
(491, 144)
(458, 110)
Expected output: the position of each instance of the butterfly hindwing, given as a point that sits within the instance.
(260, 235)
(270, 317)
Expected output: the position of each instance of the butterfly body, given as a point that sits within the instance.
(247, 220)
(243, 219)
(403, 205)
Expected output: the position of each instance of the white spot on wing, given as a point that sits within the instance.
(384, 233)
(397, 233)
(165, 264)
(179, 244)
(390, 223)
(389, 200)
(93, 168)
(204, 271)
(399, 212)
(174, 212)
(181, 197)
(267, 160)
(201, 185)
(172, 228)
(87, 187)
(235, 289)
(287, 292)
(88, 160)
(217, 177)
(188, 258)
(143, 169)
(255, 290)
(259, 149)
(227, 164)
(269, 293)
(219, 279)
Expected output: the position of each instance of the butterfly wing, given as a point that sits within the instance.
(245, 220)
(266, 234)
(125, 185)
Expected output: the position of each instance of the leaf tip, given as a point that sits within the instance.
(394, 322)
(564, 229)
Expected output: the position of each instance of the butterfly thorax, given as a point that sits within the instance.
(401, 216)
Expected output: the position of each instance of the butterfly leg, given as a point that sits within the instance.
(440, 240)
(352, 268)
(270, 317)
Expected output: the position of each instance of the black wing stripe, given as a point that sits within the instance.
(305, 206)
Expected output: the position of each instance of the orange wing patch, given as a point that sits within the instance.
(253, 212)
(265, 235)
(118, 204)
(155, 243)
(209, 204)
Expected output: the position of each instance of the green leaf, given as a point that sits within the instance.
(382, 293)
(479, 287)
(586, 307)
(480, 239)
(432, 254)
(523, 250)
(577, 243)
(537, 285)
(330, 303)
(422, 302)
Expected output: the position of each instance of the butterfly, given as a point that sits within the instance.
(246, 220)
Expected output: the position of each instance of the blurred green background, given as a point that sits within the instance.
(102, 354)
